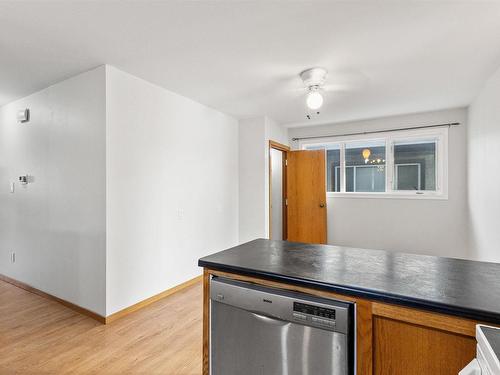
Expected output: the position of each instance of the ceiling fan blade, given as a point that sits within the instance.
(346, 81)
(338, 87)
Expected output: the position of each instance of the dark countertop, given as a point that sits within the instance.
(452, 286)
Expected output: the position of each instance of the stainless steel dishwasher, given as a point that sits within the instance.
(256, 330)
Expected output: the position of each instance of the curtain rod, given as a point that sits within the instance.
(377, 131)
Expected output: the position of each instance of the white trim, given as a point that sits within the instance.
(439, 135)
(389, 161)
(342, 167)
(340, 179)
(404, 194)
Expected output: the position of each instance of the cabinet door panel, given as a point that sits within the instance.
(404, 348)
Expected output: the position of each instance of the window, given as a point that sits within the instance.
(363, 172)
(415, 165)
(408, 163)
(333, 168)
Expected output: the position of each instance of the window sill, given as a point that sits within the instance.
(438, 196)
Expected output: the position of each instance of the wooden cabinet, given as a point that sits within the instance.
(420, 342)
(391, 339)
(418, 349)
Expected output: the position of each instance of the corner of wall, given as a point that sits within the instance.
(159, 226)
(106, 98)
(64, 256)
(275, 131)
(254, 136)
(483, 138)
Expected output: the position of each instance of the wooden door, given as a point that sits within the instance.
(306, 195)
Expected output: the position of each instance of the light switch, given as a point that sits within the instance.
(11, 187)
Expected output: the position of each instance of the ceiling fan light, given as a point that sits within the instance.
(314, 100)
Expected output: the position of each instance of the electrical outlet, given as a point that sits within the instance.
(13, 257)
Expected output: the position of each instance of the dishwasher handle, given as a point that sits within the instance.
(269, 320)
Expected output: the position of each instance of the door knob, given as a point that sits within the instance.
(322, 205)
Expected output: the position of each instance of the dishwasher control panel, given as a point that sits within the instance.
(317, 311)
(315, 314)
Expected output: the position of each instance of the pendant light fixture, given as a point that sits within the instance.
(366, 154)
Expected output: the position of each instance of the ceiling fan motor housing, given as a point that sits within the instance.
(314, 77)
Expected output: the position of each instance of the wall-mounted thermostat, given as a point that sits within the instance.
(23, 115)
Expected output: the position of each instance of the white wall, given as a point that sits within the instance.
(277, 202)
(483, 138)
(56, 225)
(426, 226)
(254, 136)
(252, 190)
(172, 187)
(277, 133)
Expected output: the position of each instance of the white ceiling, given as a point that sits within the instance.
(243, 57)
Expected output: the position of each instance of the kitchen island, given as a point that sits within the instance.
(415, 314)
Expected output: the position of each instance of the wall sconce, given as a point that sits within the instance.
(23, 115)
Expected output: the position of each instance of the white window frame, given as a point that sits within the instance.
(440, 135)
(340, 177)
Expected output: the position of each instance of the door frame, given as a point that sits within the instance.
(284, 149)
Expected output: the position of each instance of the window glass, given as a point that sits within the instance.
(407, 177)
(415, 165)
(332, 165)
(333, 168)
(365, 166)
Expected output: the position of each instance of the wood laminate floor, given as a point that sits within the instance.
(39, 336)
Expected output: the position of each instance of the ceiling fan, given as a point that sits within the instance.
(314, 80)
